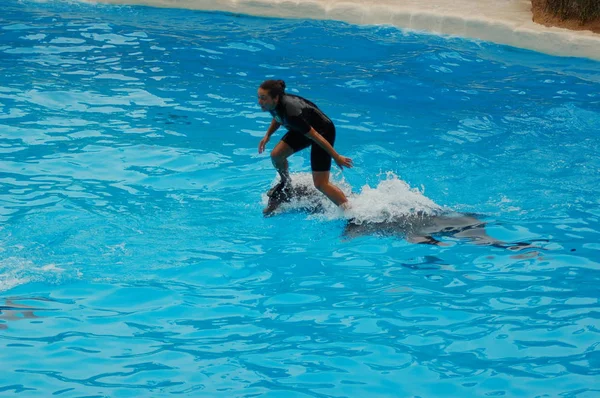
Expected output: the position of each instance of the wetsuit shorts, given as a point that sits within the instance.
(319, 158)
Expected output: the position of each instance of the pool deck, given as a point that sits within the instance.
(500, 21)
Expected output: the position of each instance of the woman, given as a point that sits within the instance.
(307, 126)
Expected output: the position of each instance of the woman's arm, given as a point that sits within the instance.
(340, 160)
(272, 128)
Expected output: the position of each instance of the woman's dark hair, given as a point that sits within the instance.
(274, 87)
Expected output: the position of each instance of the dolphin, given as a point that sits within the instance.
(418, 227)
(278, 195)
(423, 228)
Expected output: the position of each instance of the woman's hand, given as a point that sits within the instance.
(343, 161)
(263, 143)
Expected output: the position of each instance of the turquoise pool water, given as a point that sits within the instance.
(135, 262)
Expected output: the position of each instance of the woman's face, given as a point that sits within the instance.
(266, 102)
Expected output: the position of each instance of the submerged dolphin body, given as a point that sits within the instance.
(423, 228)
(418, 227)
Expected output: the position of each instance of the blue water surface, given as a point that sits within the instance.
(135, 260)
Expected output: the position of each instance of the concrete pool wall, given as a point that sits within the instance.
(500, 21)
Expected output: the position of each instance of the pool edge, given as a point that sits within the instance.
(511, 24)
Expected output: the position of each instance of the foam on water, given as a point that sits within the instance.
(391, 199)
(19, 271)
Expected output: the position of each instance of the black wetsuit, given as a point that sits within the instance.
(298, 115)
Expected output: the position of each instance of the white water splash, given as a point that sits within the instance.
(391, 199)
(15, 271)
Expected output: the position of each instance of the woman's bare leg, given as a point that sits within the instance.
(279, 156)
(321, 181)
